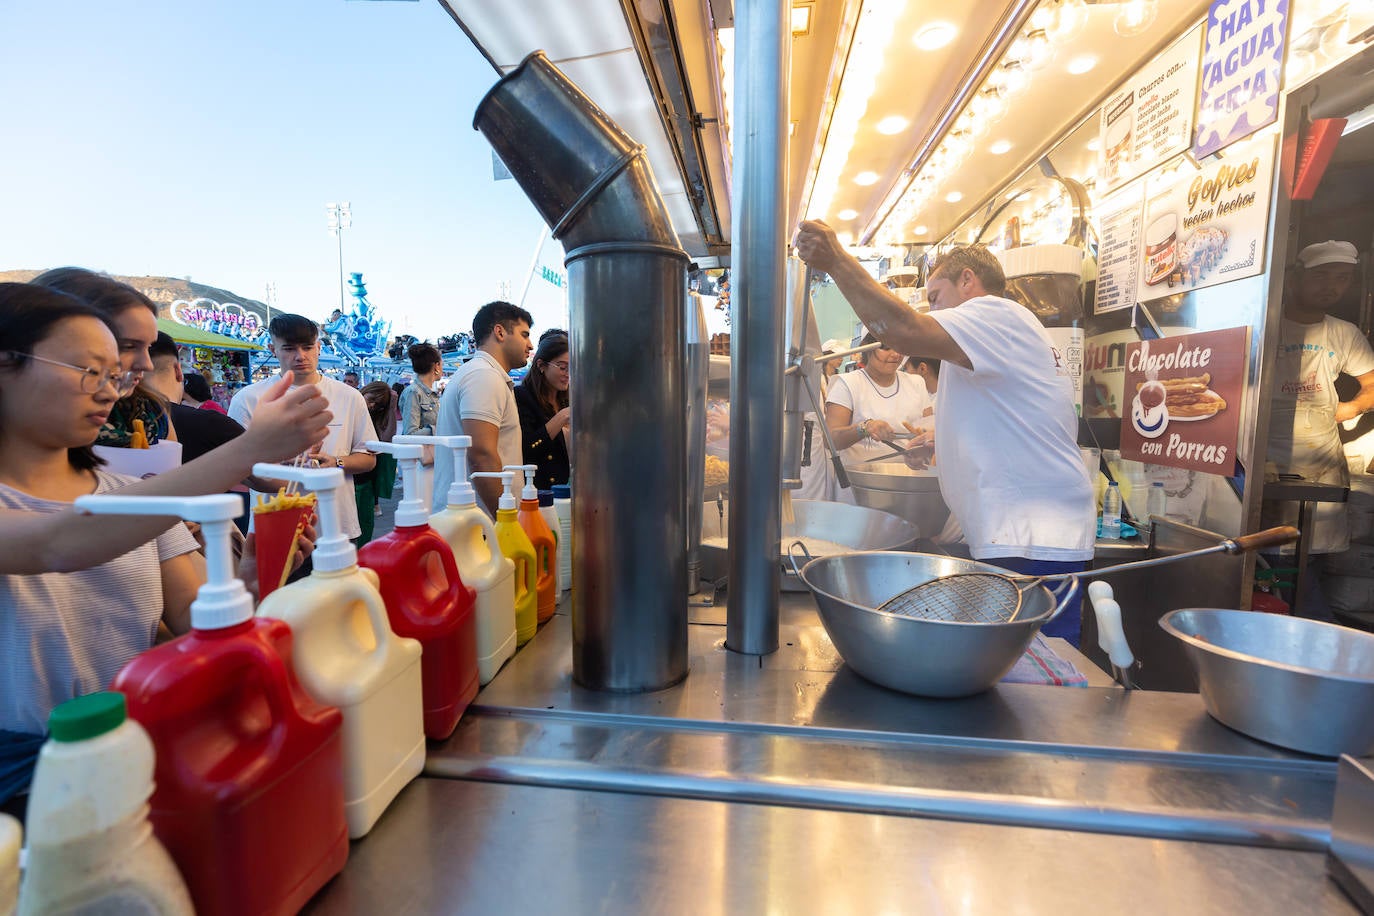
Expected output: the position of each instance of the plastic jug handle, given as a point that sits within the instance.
(412, 552)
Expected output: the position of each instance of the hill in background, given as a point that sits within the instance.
(162, 290)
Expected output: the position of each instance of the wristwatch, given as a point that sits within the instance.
(863, 430)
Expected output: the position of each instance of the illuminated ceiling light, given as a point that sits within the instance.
(1081, 64)
(1009, 79)
(1000, 147)
(866, 178)
(1039, 50)
(847, 214)
(990, 105)
(1095, 144)
(935, 36)
(893, 124)
(868, 50)
(953, 197)
(1135, 17)
(1073, 18)
(801, 20)
(845, 238)
(1046, 17)
(921, 230)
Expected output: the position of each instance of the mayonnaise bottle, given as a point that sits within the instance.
(347, 655)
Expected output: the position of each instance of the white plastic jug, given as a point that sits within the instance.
(346, 655)
(483, 568)
(91, 847)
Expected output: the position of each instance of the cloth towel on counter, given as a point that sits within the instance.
(1042, 665)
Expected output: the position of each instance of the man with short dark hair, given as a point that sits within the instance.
(1006, 449)
(479, 402)
(296, 345)
(351, 379)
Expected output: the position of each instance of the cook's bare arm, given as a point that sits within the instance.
(1360, 403)
(889, 318)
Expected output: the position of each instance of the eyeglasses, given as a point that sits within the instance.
(92, 380)
(561, 367)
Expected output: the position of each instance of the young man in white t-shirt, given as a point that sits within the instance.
(296, 344)
(1007, 451)
(479, 402)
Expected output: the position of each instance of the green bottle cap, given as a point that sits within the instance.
(87, 717)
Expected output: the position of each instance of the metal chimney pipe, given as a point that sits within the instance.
(697, 379)
(627, 282)
(762, 47)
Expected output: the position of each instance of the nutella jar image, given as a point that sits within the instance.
(1161, 248)
(1116, 146)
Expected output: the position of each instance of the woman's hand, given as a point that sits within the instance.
(248, 563)
(922, 447)
(879, 429)
(558, 422)
(287, 422)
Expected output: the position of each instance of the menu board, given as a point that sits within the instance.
(1183, 400)
(1119, 218)
(1206, 226)
(1242, 71)
(1149, 119)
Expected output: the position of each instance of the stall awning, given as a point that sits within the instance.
(195, 337)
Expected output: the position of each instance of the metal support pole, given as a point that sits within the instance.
(757, 315)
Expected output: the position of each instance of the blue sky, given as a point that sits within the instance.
(204, 138)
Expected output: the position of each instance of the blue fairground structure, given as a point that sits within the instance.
(358, 335)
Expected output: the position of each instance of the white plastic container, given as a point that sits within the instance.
(562, 507)
(11, 838)
(91, 847)
(346, 655)
(472, 535)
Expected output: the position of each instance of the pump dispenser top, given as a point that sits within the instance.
(461, 493)
(333, 551)
(222, 601)
(412, 511)
(528, 491)
(508, 500)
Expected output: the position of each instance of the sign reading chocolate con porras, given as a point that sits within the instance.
(1182, 400)
(1206, 226)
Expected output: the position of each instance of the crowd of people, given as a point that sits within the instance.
(83, 364)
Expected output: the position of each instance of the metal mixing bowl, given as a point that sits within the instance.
(891, 486)
(1300, 684)
(929, 658)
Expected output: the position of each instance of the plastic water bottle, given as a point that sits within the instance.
(1111, 512)
(1156, 502)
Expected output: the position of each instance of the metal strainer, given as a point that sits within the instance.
(985, 597)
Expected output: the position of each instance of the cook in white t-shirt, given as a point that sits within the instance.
(1007, 451)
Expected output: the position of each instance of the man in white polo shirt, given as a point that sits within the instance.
(1007, 452)
(479, 402)
(296, 344)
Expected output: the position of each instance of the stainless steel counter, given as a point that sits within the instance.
(788, 783)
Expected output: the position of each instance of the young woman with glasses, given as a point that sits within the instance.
(81, 596)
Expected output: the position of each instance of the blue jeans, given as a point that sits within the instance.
(18, 755)
(1069, 624)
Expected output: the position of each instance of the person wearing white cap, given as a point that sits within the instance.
(1007, 451)
(1314, 348)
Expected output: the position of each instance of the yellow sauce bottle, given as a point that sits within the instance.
(516, 545)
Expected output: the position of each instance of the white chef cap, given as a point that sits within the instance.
(1328, 252)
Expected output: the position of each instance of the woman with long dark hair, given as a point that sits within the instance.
(80, 596)
(542, 398)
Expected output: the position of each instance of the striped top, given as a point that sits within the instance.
(63, 635)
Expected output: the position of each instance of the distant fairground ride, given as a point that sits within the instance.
(359, 334)
(230, 319)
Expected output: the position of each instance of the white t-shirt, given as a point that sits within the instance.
(1007, 449)
(479, 390)
(348, 432)
(905, 400)
(64, 635)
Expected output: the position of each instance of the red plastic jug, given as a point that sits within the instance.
(249, 796)
(426, 600)
(545, 544)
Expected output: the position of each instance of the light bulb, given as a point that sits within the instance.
(1073, 18)
(1040, 51)
(990, 105)
(1134, 17)
(1010, 79)
(1045, 17)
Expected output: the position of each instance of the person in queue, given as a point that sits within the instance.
(928, 371)
(542, 400)
(420, 405)
(350, 378)
(371, 487)
(479, 402)
(1007, 452)
(134, 319)
(296, 345)
(81, 595)
(870, 406)
(1305, 411)
(195, 392)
